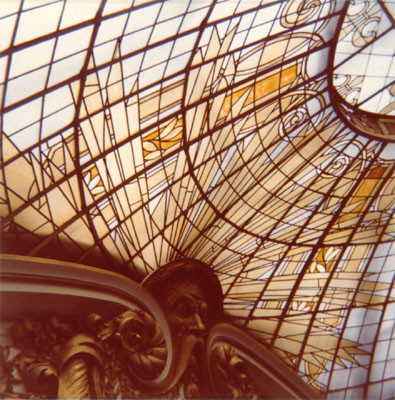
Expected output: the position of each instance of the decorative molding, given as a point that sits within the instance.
(229, 372)
(180, 349)
(43, 287)
(191, 297)
(92, 359)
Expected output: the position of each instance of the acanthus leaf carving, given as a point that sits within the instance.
(231, 375)
(7, 378)
(97, 359)
(135, 351)
(39, 344)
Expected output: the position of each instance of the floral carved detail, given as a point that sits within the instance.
(7, 378)
(134, 348)
(96, 359)
(231, 376)
(39, 344)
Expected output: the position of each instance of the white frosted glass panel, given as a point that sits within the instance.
(27, 4)
(379, 66)
(193, 19)
(131, 65)
(116, 6)
(27, 137)
(78, 11)
(177, 64)
(172, 9)
(142, 18)
(73, 42)
(110, 29)
(57, 99)
(184, 44)
(156, 55)
(370, 87)
(104, 52)
(3, 66)
(135, 41)
(26, 85)
(151, 75)
(38, 22)
(31, 58)
(9, 7)
(223, 8)
(66, 68)
(57, 121)
(22, 116)
(165, 29)
(6, 29)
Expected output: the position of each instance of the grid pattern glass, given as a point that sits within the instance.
(135, 132)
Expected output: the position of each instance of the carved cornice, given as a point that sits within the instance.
(92, 359)
(35, 286)
(117, 342)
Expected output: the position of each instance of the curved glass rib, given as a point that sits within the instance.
(364, 69)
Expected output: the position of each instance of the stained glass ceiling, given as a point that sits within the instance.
(136, 132)
(364, 65)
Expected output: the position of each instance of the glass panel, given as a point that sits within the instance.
(139, 132)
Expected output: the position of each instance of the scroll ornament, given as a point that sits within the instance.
(231, 376)
(126, 356)
(99, 359)
(107, 359)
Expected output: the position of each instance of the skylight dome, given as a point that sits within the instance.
(137, 132)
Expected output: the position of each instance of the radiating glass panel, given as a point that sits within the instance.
(138, 132)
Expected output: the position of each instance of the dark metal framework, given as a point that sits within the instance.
(359, 91)
(218, 139)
